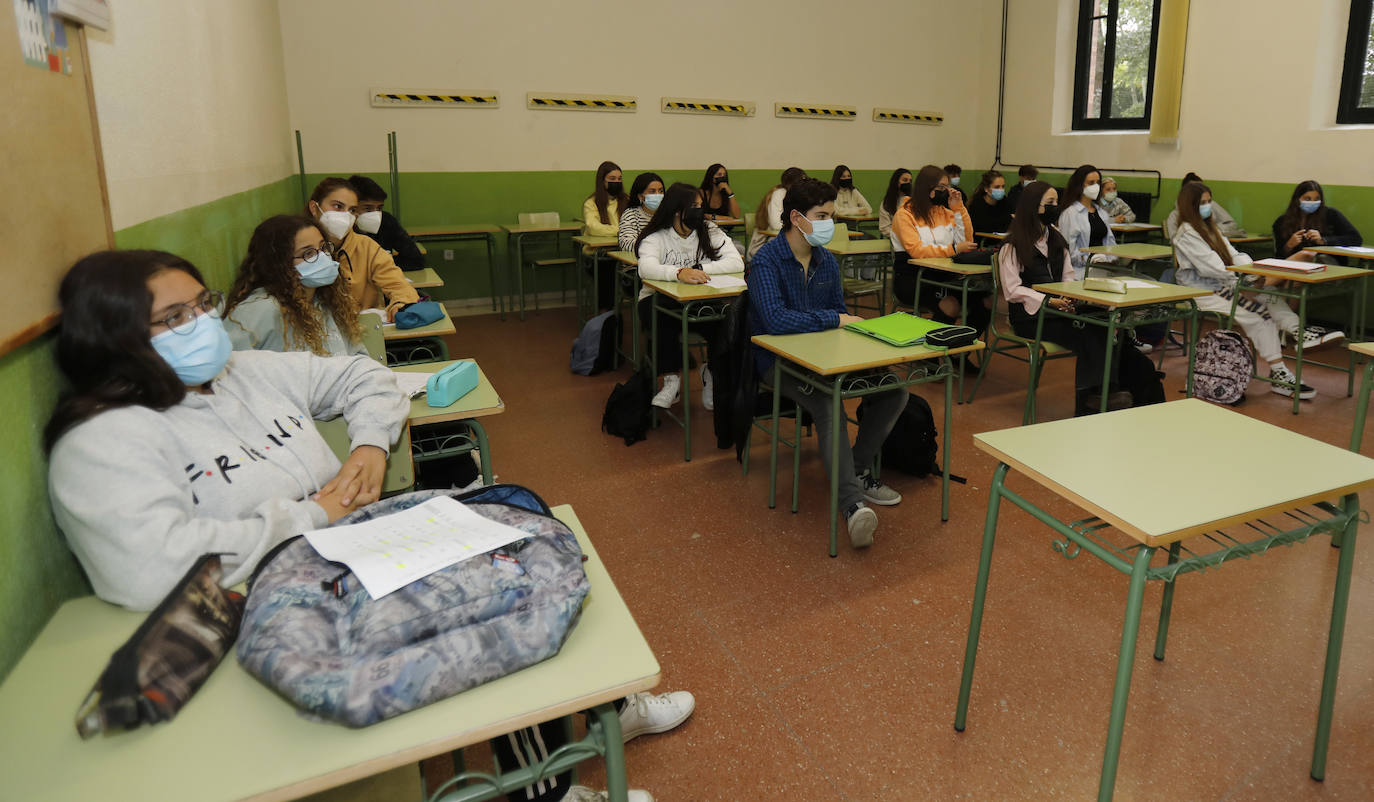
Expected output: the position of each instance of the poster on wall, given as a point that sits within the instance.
(42, 38)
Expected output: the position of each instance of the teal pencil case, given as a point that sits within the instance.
(450, 384)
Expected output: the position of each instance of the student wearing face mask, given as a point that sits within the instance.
(645, 196)
(849, 201)
(934, 222)
(1225, 223)
(1117, 209)
(373, 278)
(680, 244)
(1083, 222)
(956, 177)
(795, 287)
(898, 190)
(382, 227)
(1309, 221)
(289, 294)
(1024, 176)
(717, 197)
(601, 210)
(989, 208)
(768, 217)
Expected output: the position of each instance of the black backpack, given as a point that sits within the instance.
(627, 410)
(913, 445)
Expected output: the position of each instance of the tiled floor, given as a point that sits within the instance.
(821, 678)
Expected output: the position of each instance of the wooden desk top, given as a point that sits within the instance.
(727, 222)
(843, 351)
(1128, 228)
(625, 258)
(456, 230)
(594, 241)
(853, 246)
(423, 279)
(1362, 348)
(481, 401)
(1331, 273)
(438, 328)
(856, 218)
(237, 740)
(1155, 506)
(1161, 294)
(947, 263)
(1341, 250)
(537, 228)
(693, 292)
(992, 234)
(1250, 239)
(1134, 251)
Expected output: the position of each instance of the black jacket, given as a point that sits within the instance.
(1335, 230)
(394, 239)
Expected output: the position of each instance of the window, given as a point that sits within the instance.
(1114, 76)
(1356, 104)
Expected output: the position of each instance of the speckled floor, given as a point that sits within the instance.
(821, 678)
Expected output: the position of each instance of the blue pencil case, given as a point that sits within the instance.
(450, 384)
(420, 313)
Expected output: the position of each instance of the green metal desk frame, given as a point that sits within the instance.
(694, 310)
(428, 447)
(515, 234)
(484, 233)
(627, 285)
(1135, 560)
(416, 351)
(1362, 403)
(586, 301)
(977, 281)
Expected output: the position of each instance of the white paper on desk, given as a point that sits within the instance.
(380, 313)
(726, 282)
(1356, 248)
(412, 384)
(394, 550)
(1137, 284)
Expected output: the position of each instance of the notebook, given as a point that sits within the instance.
(1291, 265)
(898, 328)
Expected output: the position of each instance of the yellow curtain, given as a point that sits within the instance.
(1173, 39)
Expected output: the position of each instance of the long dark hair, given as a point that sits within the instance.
(921, 186)
(789, 177)
(676, 200)
(1073, 193)
(840, 170)
(602, 198)
(1294, 217)
(1189, 201)
(890, 199)
(103, 346)
(268, 264)
(985, 183)
(326, 188)
(1026, 228)
(642, 182)
(708, 182)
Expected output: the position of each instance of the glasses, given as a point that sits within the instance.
(182, 317)
(309, 252)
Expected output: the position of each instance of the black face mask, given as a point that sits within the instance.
(693, 217)
(846, 183)
(904, 189)
(941, 197)
(721, 179)
(614, 188)
(1050, 214)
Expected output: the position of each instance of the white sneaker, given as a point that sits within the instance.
(1313, 336)
(647, 713)
(581, 793)
(672, 384)
(708, 397)
(862, 522)
(1281, 373)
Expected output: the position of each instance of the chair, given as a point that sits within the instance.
(373, 339)
(536, 264)
(1002, 340)
(852, 280)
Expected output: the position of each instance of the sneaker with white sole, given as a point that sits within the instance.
(1140, 345)
(666, 397)
(647, 713)
(1281, 373)
(862, 523)
(581, 793)
(708, 396)
(875, 492)
(1313, 336)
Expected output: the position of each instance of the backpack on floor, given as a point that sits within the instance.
(627, 410)
(1222, 368)
(913, 445)
(312, 633)
(593, 351)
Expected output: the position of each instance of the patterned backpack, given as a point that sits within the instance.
(1221, 371)
(315, 636)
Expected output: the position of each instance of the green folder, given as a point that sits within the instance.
(898, 328)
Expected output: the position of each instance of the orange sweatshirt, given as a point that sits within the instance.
(922, 241)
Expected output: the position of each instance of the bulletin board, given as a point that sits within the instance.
(58, 209)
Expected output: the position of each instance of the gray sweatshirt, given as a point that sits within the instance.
(140, 494)
(256, 324)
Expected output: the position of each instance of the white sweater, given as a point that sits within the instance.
(664, 252)
(141, 494)
(852, 203)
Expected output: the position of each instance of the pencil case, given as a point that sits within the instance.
(951, 337)
(451, 384)
(420, 313)
(1105, 285)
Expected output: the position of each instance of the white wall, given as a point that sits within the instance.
(1259, 95)
(191, 99)
(921, 54)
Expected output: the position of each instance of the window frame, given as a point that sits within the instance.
(1348, 108)
(1080, 72)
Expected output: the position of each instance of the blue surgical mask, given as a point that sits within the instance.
(954, 182)
(1205, 209)
(319, 271)
(652, 200)
(998, 194)
(1308, 207)
(822, 231)
(198, 356)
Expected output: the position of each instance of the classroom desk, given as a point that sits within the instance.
(479, 402)
(1162, 303)
(977, 278)
(700, 303)
(627, 278)
(858, 221)
(238, 740)
(400, 466)
(1203, 525)
(993, 235)
(1250, 239)
(464, 232)
(1362, 402)
(727, 224)
(853, 255)
(516, 233)
(425, 342)
(597, 246)
(423, 279)
(1363, 254)
(1133, 252)
(1145, 229)
(828, 361)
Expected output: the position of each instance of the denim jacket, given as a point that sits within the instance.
(1073, 224)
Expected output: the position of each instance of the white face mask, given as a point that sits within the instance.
(337, 223)
(1091, 192)
(370, 222)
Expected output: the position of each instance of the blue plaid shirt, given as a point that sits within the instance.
(782, 300)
